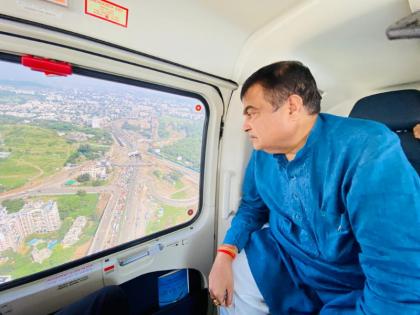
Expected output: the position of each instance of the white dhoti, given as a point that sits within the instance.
(247, 298)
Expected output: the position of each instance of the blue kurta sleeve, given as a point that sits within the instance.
(383, 202)
(252, 212)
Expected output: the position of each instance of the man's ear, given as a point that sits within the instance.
(295, 105)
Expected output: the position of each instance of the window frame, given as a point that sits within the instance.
(80, 70)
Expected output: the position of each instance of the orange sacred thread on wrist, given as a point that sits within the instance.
(221, 250)
(231, 247)
(231, 250)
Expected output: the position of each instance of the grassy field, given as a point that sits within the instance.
(35, 153)
(171, 216)
(22, 265)
(13, 205)
(70, 206)
(172, 178)
(182, 194)
(179, 184)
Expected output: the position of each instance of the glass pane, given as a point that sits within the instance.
(88, 164)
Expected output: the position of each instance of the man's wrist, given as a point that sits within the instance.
(223, 257)
(229, 250)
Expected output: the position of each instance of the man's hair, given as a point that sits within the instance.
(284, 78)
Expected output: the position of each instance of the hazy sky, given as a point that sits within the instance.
(16, 72)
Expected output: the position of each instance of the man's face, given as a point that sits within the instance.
(416, 131)
(269, 130)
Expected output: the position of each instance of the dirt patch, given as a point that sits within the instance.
(102, 202)
(82, 250)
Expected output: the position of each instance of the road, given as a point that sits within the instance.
(124, 216)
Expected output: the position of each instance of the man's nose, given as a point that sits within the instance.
(245, 126)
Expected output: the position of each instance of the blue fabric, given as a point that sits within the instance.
(344, 216)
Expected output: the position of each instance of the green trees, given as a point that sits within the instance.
(87, 151)
(81, 193)
(128, 126)
(163, 133)
(188, 149)
(83, 178)
(175, 175)
(13, 205)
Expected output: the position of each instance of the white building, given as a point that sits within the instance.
(39, 255)
(4, 279)
(4, 155)
(96, 172)
(40, 217)
(96, 122)
(34, 217)
(73, 235)
(8, 236)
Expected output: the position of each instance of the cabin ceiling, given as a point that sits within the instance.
(203, 34)
(248, 15)
(344, 43)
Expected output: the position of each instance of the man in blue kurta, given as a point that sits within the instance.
(341, 201)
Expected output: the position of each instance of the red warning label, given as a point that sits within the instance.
(107, 11)
(64, 3)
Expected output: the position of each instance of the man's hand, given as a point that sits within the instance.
(221, 280)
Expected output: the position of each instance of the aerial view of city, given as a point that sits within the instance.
(87, 164)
